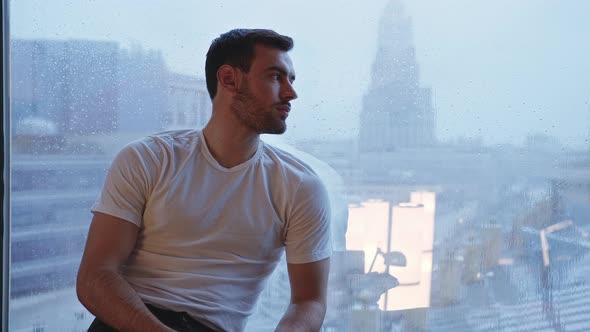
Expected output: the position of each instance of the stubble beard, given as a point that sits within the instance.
(254, 115)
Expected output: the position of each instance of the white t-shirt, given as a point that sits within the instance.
(209, 235)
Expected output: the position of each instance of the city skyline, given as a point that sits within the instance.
(500, 71)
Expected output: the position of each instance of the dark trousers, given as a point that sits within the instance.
(179, 321)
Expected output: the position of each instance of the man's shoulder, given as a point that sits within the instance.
(288, 159)
(178, 135)
(160, 147)
(165, 140)
(291, 165)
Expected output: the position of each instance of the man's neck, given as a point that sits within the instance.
(229, 142)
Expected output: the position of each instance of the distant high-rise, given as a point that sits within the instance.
(142, 97)
(397, 112)
(88, 87)
(71, 83)
(189, 105)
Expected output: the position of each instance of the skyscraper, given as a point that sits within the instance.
(142, 95)
(397, 112)
(87, 87)
(70, 83)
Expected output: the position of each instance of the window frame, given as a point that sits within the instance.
(5, 163)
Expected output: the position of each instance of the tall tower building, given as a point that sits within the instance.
(397, 112)
(142, 83)
(71, 83)
(86, 87)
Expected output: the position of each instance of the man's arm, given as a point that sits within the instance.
(100, 286)
(308, 297)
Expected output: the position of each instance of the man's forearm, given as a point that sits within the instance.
(303, 317)
(112, 300)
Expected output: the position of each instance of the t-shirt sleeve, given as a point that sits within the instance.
(308, 230)
(128, 183)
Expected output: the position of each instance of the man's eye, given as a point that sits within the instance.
(276, 76)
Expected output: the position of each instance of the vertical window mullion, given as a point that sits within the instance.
(5, 153)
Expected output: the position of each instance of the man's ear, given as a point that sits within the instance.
(229, 78)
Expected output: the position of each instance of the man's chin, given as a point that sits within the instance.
(276, 130)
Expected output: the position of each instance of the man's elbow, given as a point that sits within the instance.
(316, 307)
(82, 286)
(320, 307)
(87, 282)
(303, 315)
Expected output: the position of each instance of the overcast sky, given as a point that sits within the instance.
(500, 69)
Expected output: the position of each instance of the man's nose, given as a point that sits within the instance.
(288, 92)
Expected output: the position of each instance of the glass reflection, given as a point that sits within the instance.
(434, 231)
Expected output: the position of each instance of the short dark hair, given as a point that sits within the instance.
(236, 48)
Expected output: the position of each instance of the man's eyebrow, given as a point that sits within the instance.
(282, 71)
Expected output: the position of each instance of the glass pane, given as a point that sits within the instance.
(453, 138)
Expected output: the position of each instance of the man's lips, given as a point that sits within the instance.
(284, 110)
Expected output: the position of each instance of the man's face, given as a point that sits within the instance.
(263, 100)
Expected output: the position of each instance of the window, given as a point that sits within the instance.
(453, 138)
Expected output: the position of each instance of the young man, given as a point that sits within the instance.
(190, 223)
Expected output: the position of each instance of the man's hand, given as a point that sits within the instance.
(307, 309)
(101, 288)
